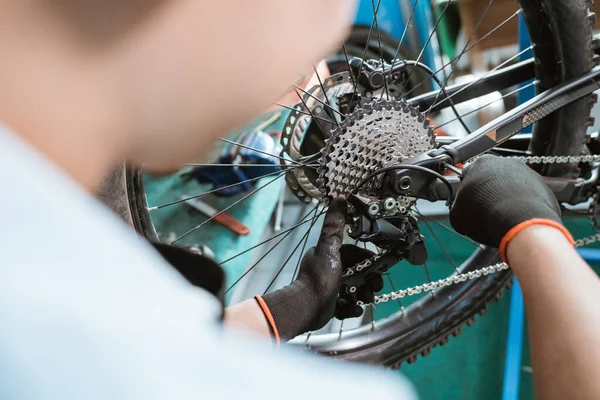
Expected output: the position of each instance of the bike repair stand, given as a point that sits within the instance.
(514, 341)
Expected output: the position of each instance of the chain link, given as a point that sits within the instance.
(454, 279)
(558, 159)
(478, 273)
(362, 265)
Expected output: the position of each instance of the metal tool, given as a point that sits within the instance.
(219, 217)
(457, 171)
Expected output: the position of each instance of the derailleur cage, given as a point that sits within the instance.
(399, 236)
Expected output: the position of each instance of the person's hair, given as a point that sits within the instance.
(101, 21)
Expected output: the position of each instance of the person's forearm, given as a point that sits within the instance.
(562, 300)
(247, 316)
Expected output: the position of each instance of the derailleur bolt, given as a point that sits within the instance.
(389, 203)
(373, 209)
(405, 183)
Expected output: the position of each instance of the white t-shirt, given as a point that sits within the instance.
(89, 311)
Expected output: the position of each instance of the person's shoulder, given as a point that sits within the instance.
(54, 232)
(292, 372)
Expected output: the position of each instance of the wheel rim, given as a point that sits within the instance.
(372, 333)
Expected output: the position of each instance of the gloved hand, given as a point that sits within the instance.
(500, 197)
(309, 302)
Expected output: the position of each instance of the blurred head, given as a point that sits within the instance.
(168, 76)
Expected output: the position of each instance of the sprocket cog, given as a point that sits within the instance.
(376, 135)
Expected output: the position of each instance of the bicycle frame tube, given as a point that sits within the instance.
(571, 191)
(503, 78)
(511, 123)
(417, 184)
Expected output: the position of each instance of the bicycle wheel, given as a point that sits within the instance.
(561, 35)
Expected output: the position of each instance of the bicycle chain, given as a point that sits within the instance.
(363, 264)
(558, 159)
(451, 280)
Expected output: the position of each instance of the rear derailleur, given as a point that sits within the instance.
(397, 234)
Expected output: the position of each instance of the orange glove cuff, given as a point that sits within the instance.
(535, 221)
(265, 309)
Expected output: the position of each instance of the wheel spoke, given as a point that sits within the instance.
(304, 220)
(446, 254)
(304, 245)
(257, 262)
(258, 151)
(323, 90)
(446, 228)
(437, 22)
(302, 239)
(389, 278)
(305, 113)
(314, 157)
(364, 54)
(534, 83)
(463, 51)
(412, 13)
(318, 100)
(227, 208)
(483, 76)
(385, 83)
(437, 80)
(309, 111)
(289, 231)
(428, 277)
(350, 70)
(518, 12)
(242, 165)
(154, 208)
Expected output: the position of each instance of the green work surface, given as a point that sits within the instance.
(172, 222)
(253, 210)
(471, 366)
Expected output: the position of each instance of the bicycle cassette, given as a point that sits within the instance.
(377, 135)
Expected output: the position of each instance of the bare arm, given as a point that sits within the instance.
(503, 203)
(248, 316)
(562, 299)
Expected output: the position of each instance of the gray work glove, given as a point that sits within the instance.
(500, 197)
(309, 302)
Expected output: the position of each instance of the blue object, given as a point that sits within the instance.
(514, 341)
(391, 21)
(514, 345)
(425, 22)
(524, 42)
(591, 256)
(246, 164)
(389, 17)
